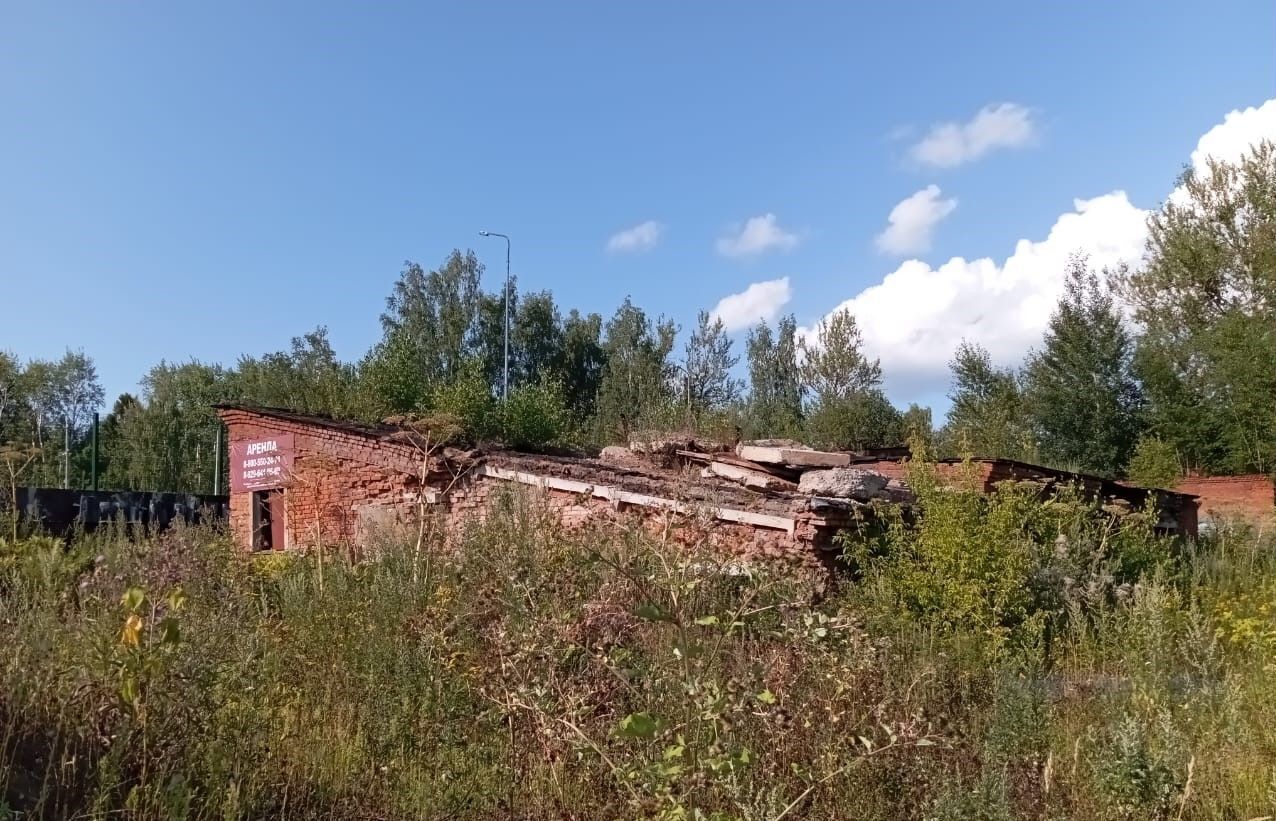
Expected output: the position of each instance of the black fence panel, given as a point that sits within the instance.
(56, 510)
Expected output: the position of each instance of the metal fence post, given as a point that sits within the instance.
(217, 464)
(93, 467)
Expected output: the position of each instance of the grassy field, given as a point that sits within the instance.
(1000, 657)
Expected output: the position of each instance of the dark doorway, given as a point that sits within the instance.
(268, 520)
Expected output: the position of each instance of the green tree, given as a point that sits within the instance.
(1206, 299)
(537, 415)
(389, 381)
(775, 380)
(10, 373)
(709, 384)
(1079, 390)
(436, 311)
(468, 397)
(862, 420)
(536, 340)
(168, 440)
(848, 409)
(918, 424)
(583, 362)
(986, 417)
(429, 331)
(487, 338)
(114, 449)
(1154, 464)
(60, 398)
(834, 366)
(14, 410)
(309, 378)
(635, 383)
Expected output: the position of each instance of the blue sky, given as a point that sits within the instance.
(199, 181)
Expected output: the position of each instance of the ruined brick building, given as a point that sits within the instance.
(299, 480)
(1250, 498)
(1177, 508)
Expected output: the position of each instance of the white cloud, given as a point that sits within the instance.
(757, 235)
(917, 315)
(761, 300)
(1005, 125)
(911, 221)
(642, 237)
(1232, 139)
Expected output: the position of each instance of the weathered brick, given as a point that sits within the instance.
(1251, 497)
(337, 473)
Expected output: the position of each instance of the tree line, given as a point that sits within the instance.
(1153, 371)
(1143, 372)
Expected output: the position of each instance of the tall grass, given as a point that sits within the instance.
(531, 672)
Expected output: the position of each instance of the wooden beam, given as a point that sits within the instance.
(614, 494)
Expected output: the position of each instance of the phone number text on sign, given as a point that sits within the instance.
(260, 464)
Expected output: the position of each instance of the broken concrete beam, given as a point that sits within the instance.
(782, 471)
(815, 459)
(656, 446)
(618, 455)
(709, 445)
(760, 453)
(843, 483)
(791, 444)
(793, 457)
(756, 479)
(668, 444)
(658, 450)
(899, 492)
(614, 494)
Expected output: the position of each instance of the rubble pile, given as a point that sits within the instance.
(778, 467)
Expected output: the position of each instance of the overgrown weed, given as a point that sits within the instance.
(1000, 657)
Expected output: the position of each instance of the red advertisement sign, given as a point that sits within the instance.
(259, 464)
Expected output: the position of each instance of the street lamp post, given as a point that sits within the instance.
(505, 384)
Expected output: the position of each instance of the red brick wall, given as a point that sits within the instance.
(891, 469)
(469, 502)
(988, 473)
(337, 474)
(1249, 497)
(895, 469)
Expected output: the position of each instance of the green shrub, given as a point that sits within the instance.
(1138, 771)
(1007, 565)
(536, 415)
(863, 420)
(469, 399)
(43, 563)
(1154, 463)
(519, 669)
